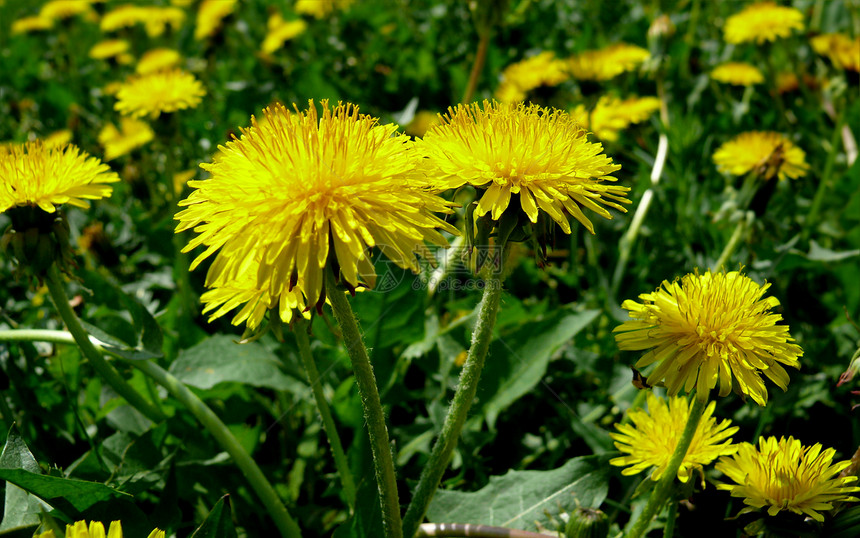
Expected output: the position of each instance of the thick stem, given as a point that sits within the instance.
(101, 366)
(456, 417)
(667, 479)
(671, 514)
(477, 67)
(383, 463)
(743, 225)
(340, 461)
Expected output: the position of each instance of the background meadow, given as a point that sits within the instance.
(555, 381)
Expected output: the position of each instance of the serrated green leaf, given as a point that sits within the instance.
(64, 494)
(20, 508)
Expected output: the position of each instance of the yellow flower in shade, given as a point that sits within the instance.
(606, 63)
(26, 25)
(301, 190)
(320, 8)
(540, 154)
(281, 31)
(210, 15)
(842, 51)
(652, 437)
(157, 60)
(36, 175)
(762, 21)
(786, 81)
(708, 328)
(785, 475)
(95, 530)
(110, 48)
(611, 115)
(767, 152)
(64, 9)
(159, 92)
(519, 78)
(132, 134)
(737, 74)
(58, 138)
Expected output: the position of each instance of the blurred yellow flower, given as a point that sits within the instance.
(518, 79)
(539, 155)
(280, 31)
(423, 120)
(159, 92)
(36, 175)
(842, 51)
(210, 15)
(767, 152)
(737, 74)
(606, 63)
(132, 134)
(57, 138)
(31, 24)
(320, 8)
(762, 21)
(652, 438)
(785, 475)
(180, 180)
(707, 328)
(157, 19)
(611, 115)
(302, 190)
(109, 48)
(111, 88)
(64, 9)
(95, 530)
(157, 60)
(122, 16)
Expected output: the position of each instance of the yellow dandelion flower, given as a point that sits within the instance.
(762, 21)
(210, 15)
(706, 328)
(132, 134)
(755, 150)
(786, 81)
(159, 92)
(36, 175)
(842, 51)
(111, 88)
(540, 154)
(25, 25)
(157, 60)
(785, 475)
(611, 115)
(64, 9)
(181, 3)
(423, 120)
(122, 16)
(302, 190)
(281, 31)
(57, 138)
(518, 79)
(109, 48)
(156, 20)
(320, 8)
(737, 74)
(96, 530)
(180, 179)
(651, 439)
(606, 63)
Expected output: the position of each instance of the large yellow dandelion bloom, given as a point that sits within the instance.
(763, 21)
(518, 79)
(652, 438)
(36, 23)
(770, 152)
(612, 115)
(157, 60)
(540, 154)
(35, 175)
(606, 63)
(159, 92)
(210, 15)
(132, 134)
(843, 51)
(280, 31)
(708, 328)
(785, 475)
(737, 74)
(300, 190)
(95, 530)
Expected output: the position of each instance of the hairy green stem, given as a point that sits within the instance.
(374, 415)
(340, 462)
(667, 479)
(101, 366)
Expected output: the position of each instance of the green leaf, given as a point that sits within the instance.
(821, 254)
(520, 498)
(220, 359)
(219, 523)
(21, 509)
(518, 359)
(64, 494)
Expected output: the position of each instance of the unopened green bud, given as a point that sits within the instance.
(587, 523)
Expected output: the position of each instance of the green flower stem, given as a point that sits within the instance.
(744, 223)
(671, 514)
(105, 370)
(477, 67)
(456, 417)
(664, 485)
(386, 480)
(825, 183)
(346, 479)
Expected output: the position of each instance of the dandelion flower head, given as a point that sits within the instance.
(651, 439)
(280, 31)
(541, 155)
(606, 63)
(111, 48)
(320, 8)
(785, 475)
(210, 15)
(842, 51)
(519, 78)
(159, 92)
(35, 23)
(762, 21)
(132, 134)
(64, 9)
(95, 530)
(710, 328)
(611, 115)
(57, 138)
(737, 74)
(769, 151)
(157, 60)
(157, 19)
(300, 189)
